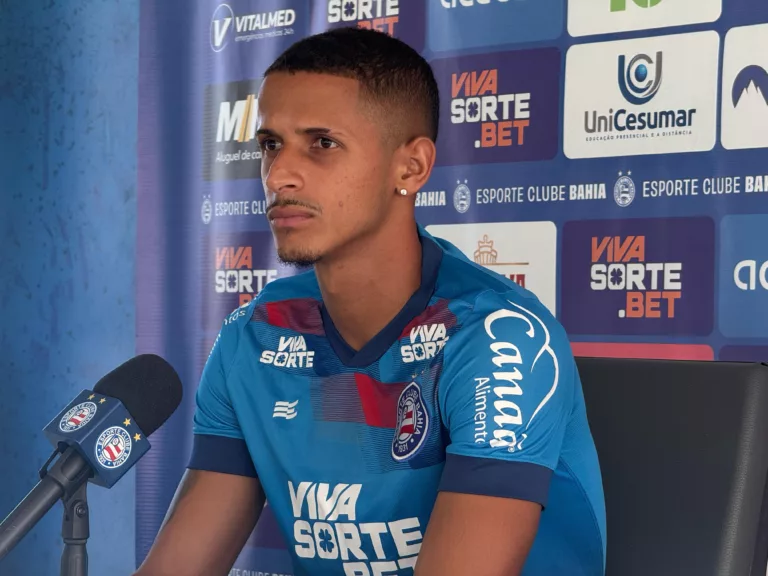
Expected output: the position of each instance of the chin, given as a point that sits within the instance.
(300, 257)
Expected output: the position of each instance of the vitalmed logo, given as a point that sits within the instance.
(327, 527)
(500, 397)
(230, 147)
(743, 275)
(638, 276)
(586, 17)
(460, 24)
(645, 96)
(228, 27)
(524, 252)
(502, 107)
(745, 88)
(403, 19)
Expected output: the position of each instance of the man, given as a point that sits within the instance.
(397, 401)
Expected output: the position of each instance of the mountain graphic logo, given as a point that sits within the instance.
(751, 83)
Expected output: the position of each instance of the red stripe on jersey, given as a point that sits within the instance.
(379, 401)
(300, 314)
(438, 313)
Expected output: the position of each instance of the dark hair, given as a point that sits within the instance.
(390, 72)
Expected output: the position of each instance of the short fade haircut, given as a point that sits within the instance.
(391, 73)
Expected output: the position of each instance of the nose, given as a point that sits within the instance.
(283, 172)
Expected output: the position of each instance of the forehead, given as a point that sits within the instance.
(305, 99)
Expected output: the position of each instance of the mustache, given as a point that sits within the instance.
(284, 202)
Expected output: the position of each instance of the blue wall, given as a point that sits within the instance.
(68, 113)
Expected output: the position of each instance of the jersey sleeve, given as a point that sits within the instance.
(505, 394)
(219, 445)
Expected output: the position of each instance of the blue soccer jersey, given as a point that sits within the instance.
(471, 388)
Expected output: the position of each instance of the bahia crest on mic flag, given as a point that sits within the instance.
(102, 430)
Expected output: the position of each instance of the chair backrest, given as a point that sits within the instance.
(683, 449)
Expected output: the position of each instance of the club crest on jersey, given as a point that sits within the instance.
(113, 447)
(412, 423)
(77, 417)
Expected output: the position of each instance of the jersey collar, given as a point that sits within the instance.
(431, 256)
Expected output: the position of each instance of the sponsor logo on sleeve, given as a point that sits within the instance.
(501, 419)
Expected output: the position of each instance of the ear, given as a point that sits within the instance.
(413, 164)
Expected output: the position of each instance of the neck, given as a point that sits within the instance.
(366, 286)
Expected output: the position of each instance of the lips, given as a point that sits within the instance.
(289, 216)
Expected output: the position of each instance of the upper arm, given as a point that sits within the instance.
(218, 442)
(505, 395)
(207, 525)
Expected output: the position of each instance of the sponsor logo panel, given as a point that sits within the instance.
(643, 350)
(643, 96)
(524, 252)
(586, 17)
(403, 19)
(248, 24)
(743, 286)
(235, 268)
(461, 24)
(498, 107)
(230, 147)
(744, 99)
(639, 276)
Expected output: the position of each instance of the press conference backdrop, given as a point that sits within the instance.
(609, 155)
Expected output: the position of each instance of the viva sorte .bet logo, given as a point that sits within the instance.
(639, 276)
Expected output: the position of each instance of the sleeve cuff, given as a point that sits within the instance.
(492, 477)
(221, 454)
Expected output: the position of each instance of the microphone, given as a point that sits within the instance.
(100, 435)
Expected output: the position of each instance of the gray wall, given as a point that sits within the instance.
(68, 110)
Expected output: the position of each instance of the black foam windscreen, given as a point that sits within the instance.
(148, 387)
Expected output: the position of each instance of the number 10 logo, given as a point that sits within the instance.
(621, 5)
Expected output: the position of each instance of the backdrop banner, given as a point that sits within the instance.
(609, 155)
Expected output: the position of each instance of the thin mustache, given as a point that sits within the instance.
(284, 202)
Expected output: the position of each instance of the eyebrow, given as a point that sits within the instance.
(311, 131)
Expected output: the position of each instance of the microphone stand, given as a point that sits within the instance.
(75, 526)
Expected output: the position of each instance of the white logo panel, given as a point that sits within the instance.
(745, 88)
(644, 96)
(524, 252)
(586, 17)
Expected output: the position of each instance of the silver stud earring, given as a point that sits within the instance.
(403, 191)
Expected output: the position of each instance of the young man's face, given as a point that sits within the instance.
(326, 169)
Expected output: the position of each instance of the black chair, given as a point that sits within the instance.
(683, 449)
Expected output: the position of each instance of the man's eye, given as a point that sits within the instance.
(326, 143)
(269, 144)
